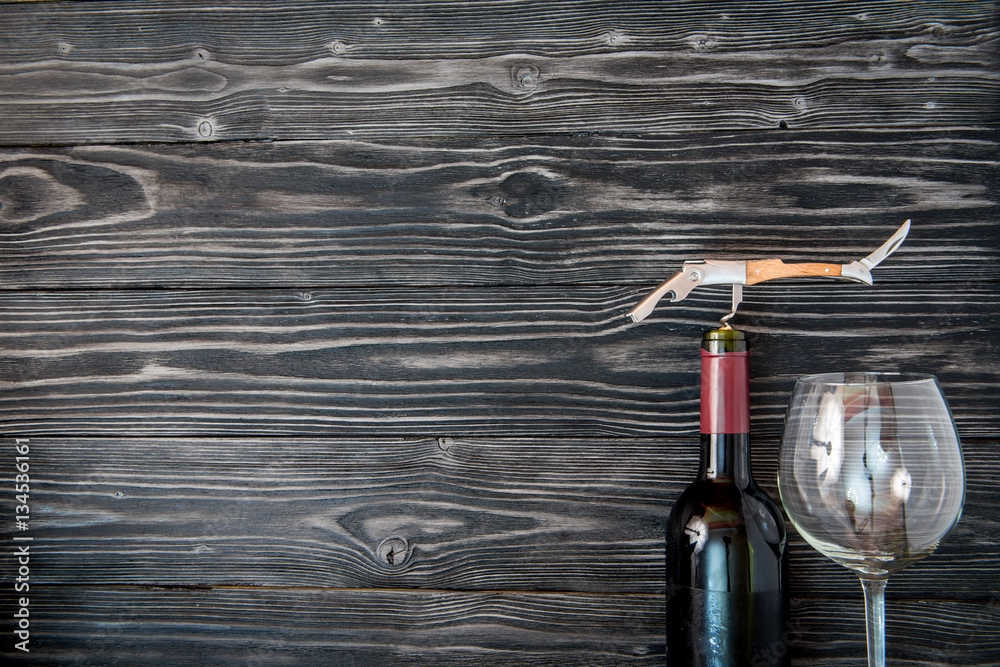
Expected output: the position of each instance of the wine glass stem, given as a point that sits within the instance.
(875, 620)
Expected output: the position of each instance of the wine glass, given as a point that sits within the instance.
(871, 475)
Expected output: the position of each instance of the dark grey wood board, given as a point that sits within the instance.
(503, 361)
(293, 32)
(569, 515)
(286, 288)
(512, 210)
(256, 627)
(209, 71)
(128, 626)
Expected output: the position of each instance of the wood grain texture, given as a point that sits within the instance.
(562, 516)
(255, 627)
(772, 269)
(505, 361)
(523, 211)
(199, 71)
(313, 313)
(344, 627)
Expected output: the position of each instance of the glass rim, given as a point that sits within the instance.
(861, 378)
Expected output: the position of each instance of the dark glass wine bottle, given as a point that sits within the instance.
(727, 563)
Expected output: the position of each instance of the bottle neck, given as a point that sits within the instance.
(725, 406)
(725, 456)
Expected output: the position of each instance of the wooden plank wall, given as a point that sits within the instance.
(312, 313)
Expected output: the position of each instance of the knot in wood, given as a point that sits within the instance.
(702, 42)
(528, 194)
(392, 553)
(525, 76)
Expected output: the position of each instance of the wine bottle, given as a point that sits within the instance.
(727, 562)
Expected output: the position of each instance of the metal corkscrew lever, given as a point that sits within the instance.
(750, 272)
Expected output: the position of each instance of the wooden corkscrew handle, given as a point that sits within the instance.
(769, 269)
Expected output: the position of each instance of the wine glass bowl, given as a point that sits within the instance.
(871, 474)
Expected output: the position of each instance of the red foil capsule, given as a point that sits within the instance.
(725, 391)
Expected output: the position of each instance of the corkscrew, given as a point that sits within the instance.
(750, 272)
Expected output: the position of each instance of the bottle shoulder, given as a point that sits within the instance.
(722, 505)
(721, 537)
(724, 490)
